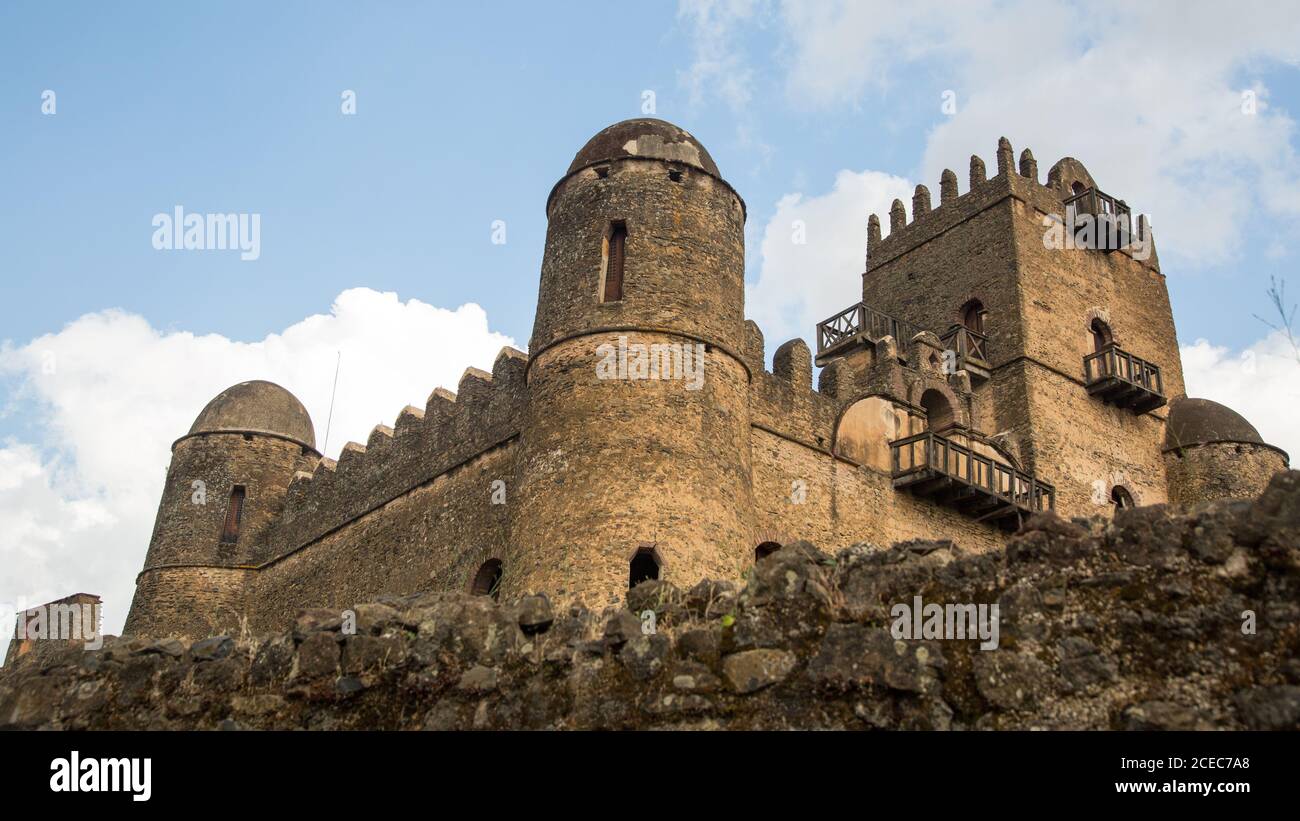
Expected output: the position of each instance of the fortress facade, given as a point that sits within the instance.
(986, 374)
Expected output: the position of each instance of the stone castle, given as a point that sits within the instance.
(987, 374)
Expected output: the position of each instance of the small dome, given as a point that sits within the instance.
(645, 138)
(1201, 422)
(257, 406)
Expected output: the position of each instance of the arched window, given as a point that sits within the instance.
(1120, 497)
(615, 253)
(487, 581)
(1101, 335)
(234, 514)
(972, 316)
(1077, 188)
(938, 411)
(765, 549)
(644, 567)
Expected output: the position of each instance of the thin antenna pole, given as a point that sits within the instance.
(333, 390)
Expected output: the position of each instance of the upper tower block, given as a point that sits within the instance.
(1049, 294)
(643, 231)
(225, 485)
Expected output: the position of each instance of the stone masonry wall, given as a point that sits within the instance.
(433, 537)
(1140, 623)
(1223, 470)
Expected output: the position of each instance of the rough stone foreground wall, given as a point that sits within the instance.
(1125, 625)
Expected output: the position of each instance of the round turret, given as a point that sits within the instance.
(635, 456)
(225, 486)
(1212, 452)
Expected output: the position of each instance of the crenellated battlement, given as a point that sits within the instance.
(486, 410)
(1018, 181)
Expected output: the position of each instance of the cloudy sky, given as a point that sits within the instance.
(377, 228)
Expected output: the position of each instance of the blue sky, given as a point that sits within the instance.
(468, 113)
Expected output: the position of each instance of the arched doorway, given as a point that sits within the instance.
(643, 567)
(1101, 335)
(939, 415)
(1120, 497)
(972, 316)
(487, 581)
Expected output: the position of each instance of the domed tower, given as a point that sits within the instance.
(225, 485)
(635, 458)
(1212, 452)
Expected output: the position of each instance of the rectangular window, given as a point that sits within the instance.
(230, 532)
(614, 263)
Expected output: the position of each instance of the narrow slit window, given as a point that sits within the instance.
(230, 531)
(614, 263)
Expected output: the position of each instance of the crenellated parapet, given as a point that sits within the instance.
(784, 402)
(485, 411)
(1067, 179)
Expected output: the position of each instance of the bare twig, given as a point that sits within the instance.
(1277, 295)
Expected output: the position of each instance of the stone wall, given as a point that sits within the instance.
(1158, 620)
(1220, 470)
(434, 537)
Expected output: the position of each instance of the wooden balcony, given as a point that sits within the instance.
(1112, 220)
(1119, 378)
(952, 474)
(855, 325)
(971, 348)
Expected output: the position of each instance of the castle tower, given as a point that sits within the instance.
(634, 463)
(1068, 336)
(225, 485)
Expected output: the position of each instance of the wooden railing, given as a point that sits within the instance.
(861, 320)
(1111, 361)
(1113, 226)
(968, 344)
(940, 455)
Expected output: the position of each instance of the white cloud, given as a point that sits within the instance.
(1262, 383)
(112, 393)
(798, 284)
(718, 66)
(1148, 96)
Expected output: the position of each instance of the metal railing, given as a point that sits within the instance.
(1112, 361)
(929, 451)
(861, 320)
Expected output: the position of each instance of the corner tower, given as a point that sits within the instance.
(225, 485)
(633, 462)
(1065, 330)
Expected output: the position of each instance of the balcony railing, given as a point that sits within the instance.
(1124, 380)
(968, 344)
(1112, 219)
(929, 464)
(860, 321)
